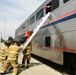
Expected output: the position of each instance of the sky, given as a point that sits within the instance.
(13, 13)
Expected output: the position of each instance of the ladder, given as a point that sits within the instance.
(36, 29)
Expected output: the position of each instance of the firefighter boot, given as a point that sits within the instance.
(28, 64)
(23, 63)
(16, 74)
(2, 73)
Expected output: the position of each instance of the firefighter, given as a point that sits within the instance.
(27, 51)
(12, 59)
(4, 52)
(10, 39)
(22, 40)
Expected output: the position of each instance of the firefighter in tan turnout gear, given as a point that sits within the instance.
(12, 59)
(4, 52)
(27, 52)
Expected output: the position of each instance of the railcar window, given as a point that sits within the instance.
(40, 14)
(47, 41)
(28, 23)
(32, 20)
(55, 4)
(65, 1)
(23, 27)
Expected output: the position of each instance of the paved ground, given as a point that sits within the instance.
(36, 68)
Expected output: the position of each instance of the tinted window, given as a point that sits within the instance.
(23, 27)
(55, 4)
(40, 14)
(47, 41)
(28, 23)
(65, 1)
(32, 20)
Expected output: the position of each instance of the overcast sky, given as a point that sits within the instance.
(13, 13)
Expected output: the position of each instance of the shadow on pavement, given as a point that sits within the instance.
(24, 68)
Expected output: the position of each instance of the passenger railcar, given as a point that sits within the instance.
(56, 39)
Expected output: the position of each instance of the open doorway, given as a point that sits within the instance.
(49, 8)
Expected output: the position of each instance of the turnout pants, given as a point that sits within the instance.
(13, 63)
(2, 61)
(28, 57)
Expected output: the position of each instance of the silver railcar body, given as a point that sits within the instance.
(57, 35)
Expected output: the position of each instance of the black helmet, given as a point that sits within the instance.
(10, 38)
(7, 43)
